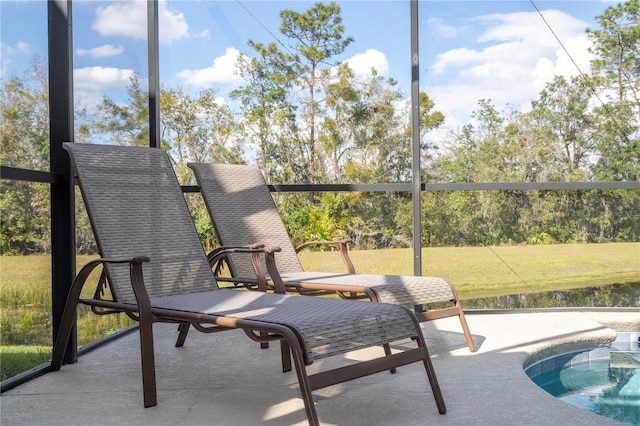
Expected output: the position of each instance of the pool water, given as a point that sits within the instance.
(605, 381)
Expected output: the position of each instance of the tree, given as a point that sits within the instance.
(368, 128)
(316, 36)
(268, 115)
(24, 140)
(197, 129)
(343, 115)
(616, 73)
(24, 143)
(192, 128)
(126, 124)
(430, 119)
(562, 114)
(617, 47)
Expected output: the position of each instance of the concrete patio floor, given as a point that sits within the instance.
(226, 379)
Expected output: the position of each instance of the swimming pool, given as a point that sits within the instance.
(605, 381)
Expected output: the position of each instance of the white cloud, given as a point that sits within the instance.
(362, 63)
(104, 51)
(223, 70)
(7, 52)
(22, 46)
(456, 58)
(99, 79)
(122, 18)
(437, 26)
(516, 55)
(130, 19)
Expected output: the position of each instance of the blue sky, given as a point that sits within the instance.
(469, 50)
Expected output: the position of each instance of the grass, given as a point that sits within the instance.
(25, 284)
(17, 359)
(493, 271)
(25, 313)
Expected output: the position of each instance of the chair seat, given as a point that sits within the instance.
(396, 289)
(328, 326)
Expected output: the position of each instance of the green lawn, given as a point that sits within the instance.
(16, 359)
(493, 271)
(25, 313)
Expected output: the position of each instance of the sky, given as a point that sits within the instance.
(503, 51)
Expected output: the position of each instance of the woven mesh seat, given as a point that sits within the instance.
(157, 271)
(244, 213)
(326, 327)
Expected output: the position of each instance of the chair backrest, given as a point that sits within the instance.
(136, 208)
(243, 212)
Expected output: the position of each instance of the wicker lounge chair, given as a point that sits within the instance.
(157, 271)
(243, 212)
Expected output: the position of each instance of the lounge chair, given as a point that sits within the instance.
(243, 212)
(157, 271)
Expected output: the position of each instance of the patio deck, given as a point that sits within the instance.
(226, 379)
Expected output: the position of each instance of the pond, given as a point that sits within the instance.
(615, 295)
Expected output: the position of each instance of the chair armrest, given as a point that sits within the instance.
(274, 274)
(343, 245)
(137, 283)
(219, 255)
(140, 312)
(222, 249)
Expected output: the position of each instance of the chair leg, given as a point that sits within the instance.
(431, 374)
(69, 315)
(387, 352)
(148, 363)
(264, 345)
(64, 332)
(183, 330)
(285, 354)
(304, 382)
(465, 329)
